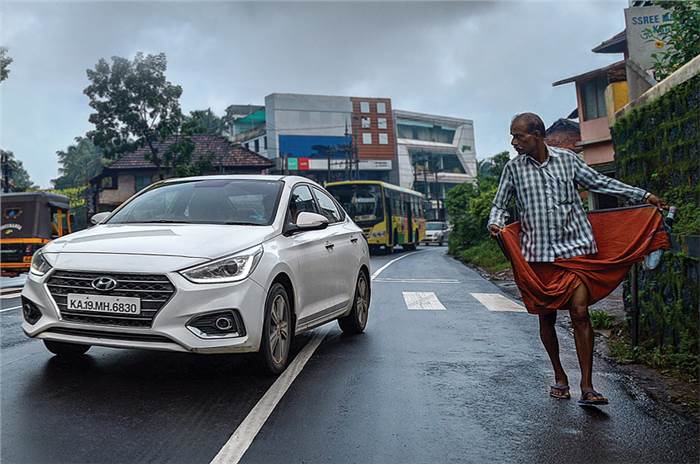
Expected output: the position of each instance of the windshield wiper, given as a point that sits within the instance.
(238, 223)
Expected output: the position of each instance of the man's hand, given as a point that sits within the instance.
(656, 201)
(494, 229)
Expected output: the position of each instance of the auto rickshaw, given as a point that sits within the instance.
(29, 220)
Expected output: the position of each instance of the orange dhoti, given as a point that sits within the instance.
(624, 236)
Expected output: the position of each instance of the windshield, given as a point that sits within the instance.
(362, 202)
(434, 226)
(227, 201)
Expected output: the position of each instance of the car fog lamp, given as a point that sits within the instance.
(224, 323)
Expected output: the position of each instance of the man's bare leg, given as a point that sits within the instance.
(548, 335)
(583, 337)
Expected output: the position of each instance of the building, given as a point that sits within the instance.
(599, 94)
(434, 153)
(329, 138)
(132, 172)
(564, 133)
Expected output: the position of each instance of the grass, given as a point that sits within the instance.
(602, 320)
(683, 366)
(485, 254)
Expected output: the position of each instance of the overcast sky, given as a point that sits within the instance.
(480, 61)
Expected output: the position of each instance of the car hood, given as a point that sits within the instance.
(200, 241)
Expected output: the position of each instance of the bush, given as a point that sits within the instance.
(602, 320)
(487, 255)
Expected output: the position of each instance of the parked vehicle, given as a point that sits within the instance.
(389, 215)
(29, 221)
(436, 232)
(218, 264)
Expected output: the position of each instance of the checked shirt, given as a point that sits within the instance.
(553, 223)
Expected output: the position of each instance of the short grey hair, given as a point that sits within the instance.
(534, 122)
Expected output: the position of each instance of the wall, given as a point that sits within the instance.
(657, 141)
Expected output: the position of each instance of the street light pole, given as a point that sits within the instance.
(5, 160)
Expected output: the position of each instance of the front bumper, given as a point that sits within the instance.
(168, 330)
(432, 239)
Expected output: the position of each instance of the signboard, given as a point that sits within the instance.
(292, 164)
(303, 164)
(645, 33)
(314, 146)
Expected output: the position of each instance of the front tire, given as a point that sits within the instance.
(66, 350)
(355, 322)
(276, 337)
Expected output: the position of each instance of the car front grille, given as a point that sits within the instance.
(153, 290)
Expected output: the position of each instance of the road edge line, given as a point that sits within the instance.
(10, 309)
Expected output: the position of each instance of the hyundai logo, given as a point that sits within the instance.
(104, 284)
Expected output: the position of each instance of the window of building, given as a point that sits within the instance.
(265, 142)
(381, 107)
(593, 96)
(141, 182)
(109, 183)
(383, 139)
(364, 107)
(381, 123)
(247, 146)
(256, 144)
(366, 138)
(366, 123)
(425, 132)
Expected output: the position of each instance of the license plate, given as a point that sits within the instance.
(103, 304)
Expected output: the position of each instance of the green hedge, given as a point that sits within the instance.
(657, 147)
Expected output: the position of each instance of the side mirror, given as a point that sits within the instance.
(311, 221)
(99, 217)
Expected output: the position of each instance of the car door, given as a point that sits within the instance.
(312, 258)
(344, 237)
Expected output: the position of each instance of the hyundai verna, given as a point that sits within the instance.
(216, 264)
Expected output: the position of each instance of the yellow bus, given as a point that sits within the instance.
(388, 215)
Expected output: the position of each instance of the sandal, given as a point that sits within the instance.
(560, 391)
(592, 398)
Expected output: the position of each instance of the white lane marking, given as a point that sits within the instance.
(423, 301)
(420, 281)
(498, 302)
(9, 309)
(9, 296)
(236, 446)
(379, 271)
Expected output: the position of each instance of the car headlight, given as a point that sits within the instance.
(40, 265)
(229, 269)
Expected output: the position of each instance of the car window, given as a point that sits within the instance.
(301, 201)
(328, 206)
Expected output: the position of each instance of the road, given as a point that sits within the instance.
(463, 384)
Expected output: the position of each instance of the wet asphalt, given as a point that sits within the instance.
(461, 385)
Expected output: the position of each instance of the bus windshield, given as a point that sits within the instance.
(363, 202)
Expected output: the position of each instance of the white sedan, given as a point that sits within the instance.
(216, 264)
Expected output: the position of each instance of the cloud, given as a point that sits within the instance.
(479, 60)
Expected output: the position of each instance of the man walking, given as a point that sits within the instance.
(554, 226)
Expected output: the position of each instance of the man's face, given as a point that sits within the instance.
(524, 142)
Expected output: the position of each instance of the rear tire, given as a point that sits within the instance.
(355, 322)
(276, 339)
(65, 349)
(409, 246)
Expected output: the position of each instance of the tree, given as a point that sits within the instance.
(490, 169)
(203, 122)
(5, 61)
(682, 37)
(78, 164)
(135, 105)
(19, 180)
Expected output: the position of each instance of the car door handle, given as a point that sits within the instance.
(329, 246)
(353, 240)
